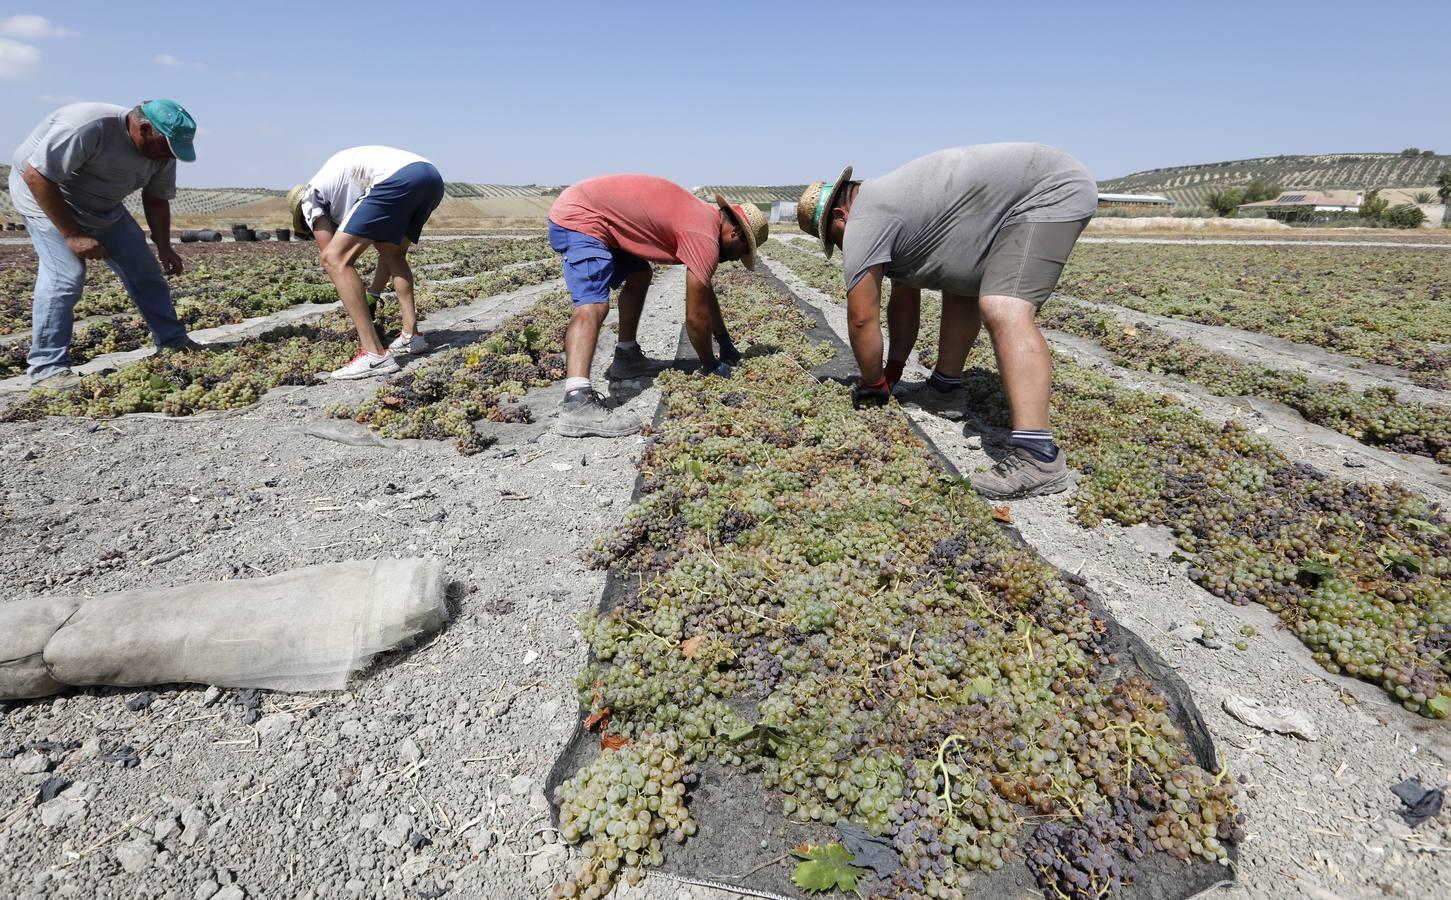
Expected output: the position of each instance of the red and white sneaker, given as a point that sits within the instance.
(366, 365)
(408, 343)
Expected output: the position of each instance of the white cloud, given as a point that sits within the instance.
(166, 59)
(17, 60)
(32, 27)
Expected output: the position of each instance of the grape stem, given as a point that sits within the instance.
(941, 766)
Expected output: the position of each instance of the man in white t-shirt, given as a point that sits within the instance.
(370, 197)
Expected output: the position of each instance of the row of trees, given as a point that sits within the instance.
(1373, 207)
(1378, 210)
(1226, 202)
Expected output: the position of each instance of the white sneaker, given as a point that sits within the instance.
(366, 365)
(409, 343)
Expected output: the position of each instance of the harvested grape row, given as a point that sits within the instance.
(225, 286)
(911, 668)
(1374, 417)
(1388, 305)
(1360, 572)
(443, 397)
(234, 375)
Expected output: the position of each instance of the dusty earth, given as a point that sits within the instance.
(423, 779)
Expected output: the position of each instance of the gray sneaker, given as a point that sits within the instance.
(947, 404)
(632, 363)
(584, 414)
(1020, 474)
(56, 381)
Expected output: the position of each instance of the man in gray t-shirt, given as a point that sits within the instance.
(69, 181)
(990, 226)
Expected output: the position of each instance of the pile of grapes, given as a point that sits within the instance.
(813, 598)
(1373, 416)
(226, 283)
(764, 319)
(234, 375)
(445, 396)
(1385, 305)
(1359, 572)
(483, 381)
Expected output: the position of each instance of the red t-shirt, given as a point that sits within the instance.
(655, 219)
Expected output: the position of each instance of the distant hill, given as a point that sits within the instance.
(761, 195)
(1191, 185)
(212, 206)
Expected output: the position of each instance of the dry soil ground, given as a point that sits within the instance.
(425, 777)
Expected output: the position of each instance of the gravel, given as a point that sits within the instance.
(321, 794)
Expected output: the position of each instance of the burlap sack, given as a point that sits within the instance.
(306, 629)
(25, 627)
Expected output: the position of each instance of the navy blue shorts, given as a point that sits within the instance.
(591, 268)
(398, 206)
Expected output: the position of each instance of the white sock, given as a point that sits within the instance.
(575, 384)
(372, 355)
(626, 345)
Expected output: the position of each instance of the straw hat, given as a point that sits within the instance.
(752, 223)
(294, 209)
(816, 203)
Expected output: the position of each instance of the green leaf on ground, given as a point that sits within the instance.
(824, 868)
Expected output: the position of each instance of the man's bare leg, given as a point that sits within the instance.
(338, 261)
(1023, 359)
(632, 302)
(381, 275)
(1036, 465)
(394, 259)
(961, 323)
(580, 338)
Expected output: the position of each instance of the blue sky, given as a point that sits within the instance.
(746, 92)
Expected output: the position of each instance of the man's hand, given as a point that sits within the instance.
(728, 352)
(171, 262)
(86, 247)
(875, 393)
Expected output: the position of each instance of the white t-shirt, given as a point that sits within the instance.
(345, 179)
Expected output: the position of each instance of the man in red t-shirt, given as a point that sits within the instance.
(609, 230)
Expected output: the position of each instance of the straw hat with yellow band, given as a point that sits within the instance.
(752, 223)
(294, 209)
(813, 210)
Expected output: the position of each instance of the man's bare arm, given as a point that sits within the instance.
(158, 219)
(864, 326)
(51, 202)
(701, 311)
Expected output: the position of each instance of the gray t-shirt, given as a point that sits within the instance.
(86, 149)
(933, 220)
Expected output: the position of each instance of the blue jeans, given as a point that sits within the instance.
(62, 278)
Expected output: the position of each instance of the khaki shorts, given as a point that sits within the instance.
(1026, 259)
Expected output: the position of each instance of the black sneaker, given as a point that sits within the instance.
(631, 363)
(949, 404)
(583, 414)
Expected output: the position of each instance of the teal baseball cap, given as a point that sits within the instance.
(169, 118)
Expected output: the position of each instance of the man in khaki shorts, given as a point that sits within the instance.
(990, 226)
